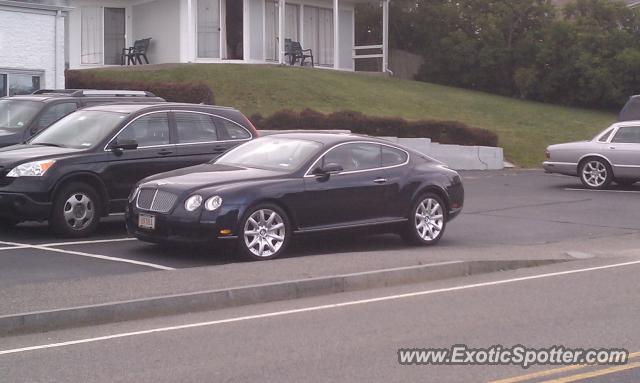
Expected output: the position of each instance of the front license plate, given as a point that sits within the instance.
(146, 221)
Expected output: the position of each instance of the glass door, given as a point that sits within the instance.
(114, 35)
(208, 28)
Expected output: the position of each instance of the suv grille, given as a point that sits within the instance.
(156, 200)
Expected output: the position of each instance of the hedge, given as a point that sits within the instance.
(189, 92)
(444, 132)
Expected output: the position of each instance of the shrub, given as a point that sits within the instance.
(444, 132)
(189, 92)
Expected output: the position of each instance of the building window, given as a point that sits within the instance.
(91, 40)
(3, 85)
(14, 83)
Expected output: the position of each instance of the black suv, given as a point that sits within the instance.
(23, 116)
(83, 167)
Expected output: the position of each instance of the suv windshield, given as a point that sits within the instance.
(80, 130)
(272, 153)
(16, 114)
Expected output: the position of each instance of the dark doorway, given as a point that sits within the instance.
(235, 17)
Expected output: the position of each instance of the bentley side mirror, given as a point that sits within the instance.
(324, 173)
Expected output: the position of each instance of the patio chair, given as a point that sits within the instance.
(293, 49)
(136, 53)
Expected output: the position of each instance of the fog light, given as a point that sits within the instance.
(225, 232)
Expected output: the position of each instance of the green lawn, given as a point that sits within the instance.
(524, 128)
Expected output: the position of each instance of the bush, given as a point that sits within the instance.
(189, 92)
(444, 132)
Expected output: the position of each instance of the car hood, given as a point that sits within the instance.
(206, 176)
(9, 137)
(18, 154)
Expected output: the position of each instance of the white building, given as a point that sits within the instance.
(32, 46)
(212, 31)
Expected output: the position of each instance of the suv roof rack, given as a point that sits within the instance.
(96, 93)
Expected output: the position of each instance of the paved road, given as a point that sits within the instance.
(502, 208)
(355, 337)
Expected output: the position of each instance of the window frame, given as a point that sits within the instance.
(614, 134)
(309, 172)
(171, 131)
(177, 134)
(8, 72)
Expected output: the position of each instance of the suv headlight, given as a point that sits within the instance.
(193, 202)
(213, 203)
(31, 169)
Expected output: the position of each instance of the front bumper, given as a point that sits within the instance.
(178, 229)
(20, 206)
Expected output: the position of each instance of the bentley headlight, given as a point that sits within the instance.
(31, 169)
(193, 202)
(213, 203)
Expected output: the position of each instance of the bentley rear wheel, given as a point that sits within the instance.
(427, 221)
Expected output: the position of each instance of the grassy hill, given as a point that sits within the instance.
(524, 128)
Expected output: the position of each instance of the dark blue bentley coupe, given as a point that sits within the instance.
(265, 191)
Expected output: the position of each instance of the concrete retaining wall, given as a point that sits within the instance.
(457, 157)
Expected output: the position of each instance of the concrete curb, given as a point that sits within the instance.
(247, 295)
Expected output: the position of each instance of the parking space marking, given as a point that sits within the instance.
(14, 247)
(307, 309)
(594, 374)
(88, 255)
(89, 242)
(604, 191)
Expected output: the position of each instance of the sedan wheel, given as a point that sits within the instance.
(265, 233)
(595, 174)
(427, 221)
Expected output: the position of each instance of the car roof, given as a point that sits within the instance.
(330, 139)
(129, 108)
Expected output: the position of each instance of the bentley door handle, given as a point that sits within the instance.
(380, 180)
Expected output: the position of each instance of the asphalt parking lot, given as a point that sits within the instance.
(511, 207)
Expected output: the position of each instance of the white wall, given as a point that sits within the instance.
(29, 41)
(159, 20)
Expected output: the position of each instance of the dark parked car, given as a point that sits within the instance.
(21, 117)
(84, 166)
(264, 191)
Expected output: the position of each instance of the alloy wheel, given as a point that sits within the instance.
(594, 173)
(79, 211)
(264, 233)
(429, 219)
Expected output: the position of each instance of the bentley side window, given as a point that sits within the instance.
(354, 157)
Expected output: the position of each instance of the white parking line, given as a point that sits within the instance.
(88, 242)
(83, 254)
(604, 191)
(314, 308)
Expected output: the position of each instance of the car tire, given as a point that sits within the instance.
(76, 211)
(264, 232)
(625, 182)
(427, 221)
(595, 173)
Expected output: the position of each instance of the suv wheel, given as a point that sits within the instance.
(427, 221)
(265, 233)
(76, 210)
(595, 173)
